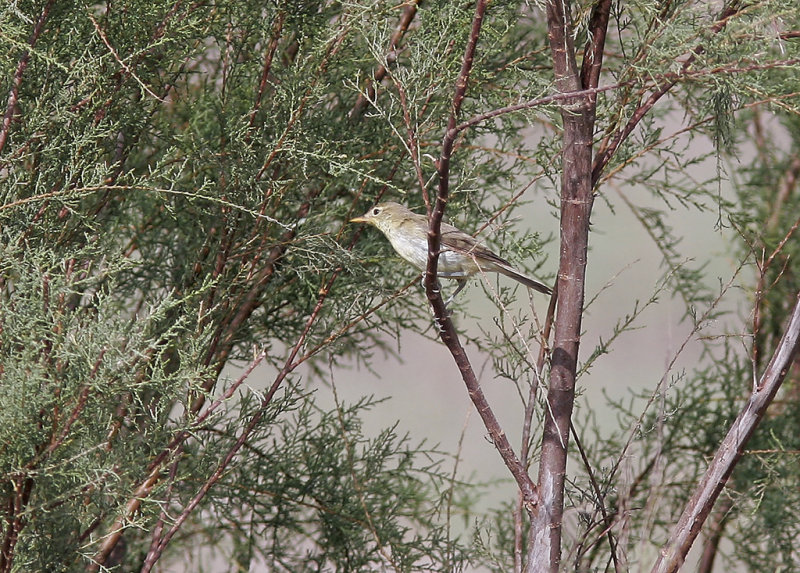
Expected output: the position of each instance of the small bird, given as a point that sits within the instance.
(460, 257)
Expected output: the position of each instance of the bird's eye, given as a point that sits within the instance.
(376, 211)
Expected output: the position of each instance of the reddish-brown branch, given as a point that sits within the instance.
(265, 70)
(611, 142)
(595, 47)
(129, 72)
(78, 409)
(405, 21)
(220, 349)
(590, 78)
(16, 82)
(15, 519)
(447, 330)
(111, 539)
(674, 552)
(576, 205)
(297, 113)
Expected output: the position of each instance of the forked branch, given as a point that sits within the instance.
(730, 450)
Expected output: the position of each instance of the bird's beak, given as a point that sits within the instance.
(360, 219)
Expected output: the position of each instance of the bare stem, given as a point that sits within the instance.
(447, 330)
(16, 82)
(730, 450)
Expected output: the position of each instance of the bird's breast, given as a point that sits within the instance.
(412, 249)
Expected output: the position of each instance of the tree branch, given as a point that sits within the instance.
(577, 115)
(595, 46)
(730, 450)
(380, 73)
(447, 330)
(16, 82)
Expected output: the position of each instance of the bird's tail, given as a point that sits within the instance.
(527, 281)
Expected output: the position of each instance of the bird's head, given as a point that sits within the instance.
(385, 216)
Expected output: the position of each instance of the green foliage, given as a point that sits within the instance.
(314, 495)
(175, 185)
(166, 206)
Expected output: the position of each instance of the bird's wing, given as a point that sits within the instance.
(460, 242)
(416, 226)
(485, 259)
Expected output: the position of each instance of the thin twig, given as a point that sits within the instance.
(363, 99)
(128, 69)
(446, 327)
(16, 82)
(674, 552)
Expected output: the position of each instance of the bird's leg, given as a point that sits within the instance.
(461, 284)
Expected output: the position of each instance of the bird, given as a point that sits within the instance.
(460, 257)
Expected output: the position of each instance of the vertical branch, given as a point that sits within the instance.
(593, 51)
(576, 204)
(17, 506)
(16, 82)
(447, 330)
(730, 450)
(269, 55)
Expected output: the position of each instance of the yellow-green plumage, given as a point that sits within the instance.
(460, 257)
